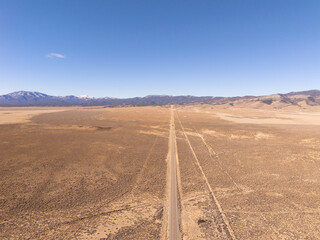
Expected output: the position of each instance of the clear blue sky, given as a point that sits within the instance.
(140, 47)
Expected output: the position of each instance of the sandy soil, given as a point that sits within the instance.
(265, 175)
(22, 115)
(271, 117)
(99, 173)
(84, 174)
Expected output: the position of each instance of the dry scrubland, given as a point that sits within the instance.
(84, 174)
(263, 167)
(99, 173)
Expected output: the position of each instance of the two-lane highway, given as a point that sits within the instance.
(173, 213)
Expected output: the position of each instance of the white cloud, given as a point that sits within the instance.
(55, 55)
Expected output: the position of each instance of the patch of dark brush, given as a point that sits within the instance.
(203, 221)
(103, 128)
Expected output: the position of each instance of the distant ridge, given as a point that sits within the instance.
(314, 92)
(29, 98)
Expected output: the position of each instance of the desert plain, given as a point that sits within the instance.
(102, 173)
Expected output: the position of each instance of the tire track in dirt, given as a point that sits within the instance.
(103, 213)
(79, 219)
(213, 154)
(230, 232)
(144, 166)
(275, 233)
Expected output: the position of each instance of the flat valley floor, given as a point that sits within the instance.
(101, 173)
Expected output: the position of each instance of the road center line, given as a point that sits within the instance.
(173, 214)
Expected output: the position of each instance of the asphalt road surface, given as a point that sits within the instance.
(173, 214)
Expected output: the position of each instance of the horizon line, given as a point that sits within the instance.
(167, 95)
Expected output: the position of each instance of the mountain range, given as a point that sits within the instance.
(28, 98)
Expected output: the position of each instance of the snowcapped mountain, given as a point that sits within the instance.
(26, 94)
(85, 97)
(25, 98)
